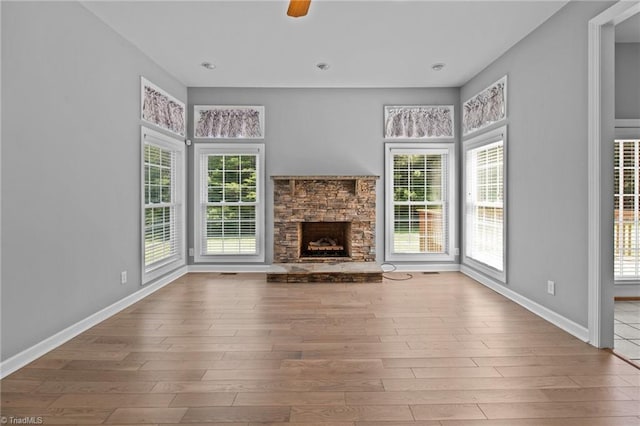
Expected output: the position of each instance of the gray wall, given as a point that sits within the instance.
(628, 80)
(547, 159)
(321, 132)
(627, 90)
(70, 213)
(70, 167)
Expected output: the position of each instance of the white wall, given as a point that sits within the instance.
(70, 167)
(547, 159)
(322, 132)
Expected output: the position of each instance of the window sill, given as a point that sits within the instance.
(499, 276)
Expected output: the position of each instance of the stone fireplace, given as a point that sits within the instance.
(324, 219)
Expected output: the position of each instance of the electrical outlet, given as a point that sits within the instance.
(551, 288)
(123, 277)
(456, 251)
(191, 252)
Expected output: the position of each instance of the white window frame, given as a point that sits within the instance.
(449, 196)
(161, 140)
(626, 130)
(207, 148)
(484, 139)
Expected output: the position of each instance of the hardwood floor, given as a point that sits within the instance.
(438, 349)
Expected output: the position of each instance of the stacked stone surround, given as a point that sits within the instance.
(300, 199)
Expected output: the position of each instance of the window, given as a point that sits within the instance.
(163, 203)
(420, 208)
(485, 203)
(626, 234)
(229, 203)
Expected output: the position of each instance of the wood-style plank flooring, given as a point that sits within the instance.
(438, 349)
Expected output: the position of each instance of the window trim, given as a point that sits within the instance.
(392, 148)
(164, 141)
(207, 148)
(486, 138)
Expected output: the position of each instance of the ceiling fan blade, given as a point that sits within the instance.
(298, 8)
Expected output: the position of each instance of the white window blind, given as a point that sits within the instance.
(485, 206)
(163, 194)
(419, 202)
(230, 203)
(626, 210)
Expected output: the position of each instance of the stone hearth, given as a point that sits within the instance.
(346, 272)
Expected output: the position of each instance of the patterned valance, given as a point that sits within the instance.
(487, 107)
(418, 122)
(162, 109)
(229, 122)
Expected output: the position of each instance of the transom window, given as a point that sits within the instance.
(419, 202)
(229, 224)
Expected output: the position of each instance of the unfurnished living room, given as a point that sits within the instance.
(349, 213)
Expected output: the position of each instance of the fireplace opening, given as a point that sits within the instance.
(324, 239)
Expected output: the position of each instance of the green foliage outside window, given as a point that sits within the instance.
(158, 195)
(417, 181)
(231, 179)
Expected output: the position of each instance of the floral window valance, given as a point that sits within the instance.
(162, 109)
(487, 107)
(418, 122)
(229, 122)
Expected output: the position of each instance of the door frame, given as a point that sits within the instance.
(600, 124)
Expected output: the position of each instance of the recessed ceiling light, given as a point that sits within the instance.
(322, 66)
(437, 67)
(208, 65)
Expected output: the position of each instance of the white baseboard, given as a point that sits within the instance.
(415, 267)
(626, 290)
(556, 319)
(230, 268)
(423, 267)
(23, 358)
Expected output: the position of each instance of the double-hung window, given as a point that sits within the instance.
(484, 183)
(229, 205)
(163, 216)
(420, 202)
(626, 210)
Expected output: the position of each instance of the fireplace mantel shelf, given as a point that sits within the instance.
(356, 179)
(324, 177)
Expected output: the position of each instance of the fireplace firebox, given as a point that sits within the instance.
(325, 239)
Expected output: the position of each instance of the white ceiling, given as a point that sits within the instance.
(628, 31)
(366, 43)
